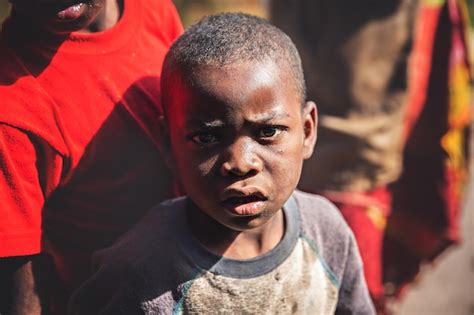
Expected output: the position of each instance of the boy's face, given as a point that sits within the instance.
(238, 137)
(60, 16)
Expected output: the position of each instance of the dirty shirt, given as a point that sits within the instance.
(315, 269)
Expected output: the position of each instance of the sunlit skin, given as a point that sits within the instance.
(238, 136)
(65, 16)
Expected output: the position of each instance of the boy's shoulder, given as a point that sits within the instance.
(158, 226)
(26, 106)
(142, 264)
(320, 216)
(327, 233)
(151, 241)
(324, 228)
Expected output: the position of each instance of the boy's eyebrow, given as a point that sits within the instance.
(269, 116)
(257, 119)
(197, 123)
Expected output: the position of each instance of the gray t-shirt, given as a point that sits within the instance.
(160, 268)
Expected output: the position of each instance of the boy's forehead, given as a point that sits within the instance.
(239, 79)
(259, 90)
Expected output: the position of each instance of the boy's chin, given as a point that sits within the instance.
(251, 222)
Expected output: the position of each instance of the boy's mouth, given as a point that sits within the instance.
(245, 204)
(72, 12)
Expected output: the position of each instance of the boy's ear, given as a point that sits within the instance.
(165, 144)
(310, 125)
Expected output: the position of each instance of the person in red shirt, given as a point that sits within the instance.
(79, 165)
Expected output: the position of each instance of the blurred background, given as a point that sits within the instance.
(193, 10)
(443, 287)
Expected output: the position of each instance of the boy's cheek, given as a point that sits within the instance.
(205, 168)
(193, 165)
(285, 167)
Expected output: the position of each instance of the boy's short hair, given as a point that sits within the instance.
(229, 38)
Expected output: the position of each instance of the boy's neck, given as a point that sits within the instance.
(107, 18)
(233, 244)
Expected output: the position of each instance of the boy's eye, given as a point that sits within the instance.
(204, 138)
(269, 131)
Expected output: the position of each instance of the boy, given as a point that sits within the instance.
(77, 148)
(236, 132)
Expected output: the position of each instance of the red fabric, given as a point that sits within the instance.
(421, 213)
(420, 63)
(79, 163)
(20, 226)
(366, 214)
(428, 195)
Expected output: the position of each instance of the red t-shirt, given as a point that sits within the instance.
(78, 140)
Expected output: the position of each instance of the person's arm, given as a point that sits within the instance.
(110, 290)
(29, 169)
(18, 293)
(354, 298)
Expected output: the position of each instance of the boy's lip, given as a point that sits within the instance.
(246, 202)
(72, 12)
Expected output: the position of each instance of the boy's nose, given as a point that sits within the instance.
(241, 160)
